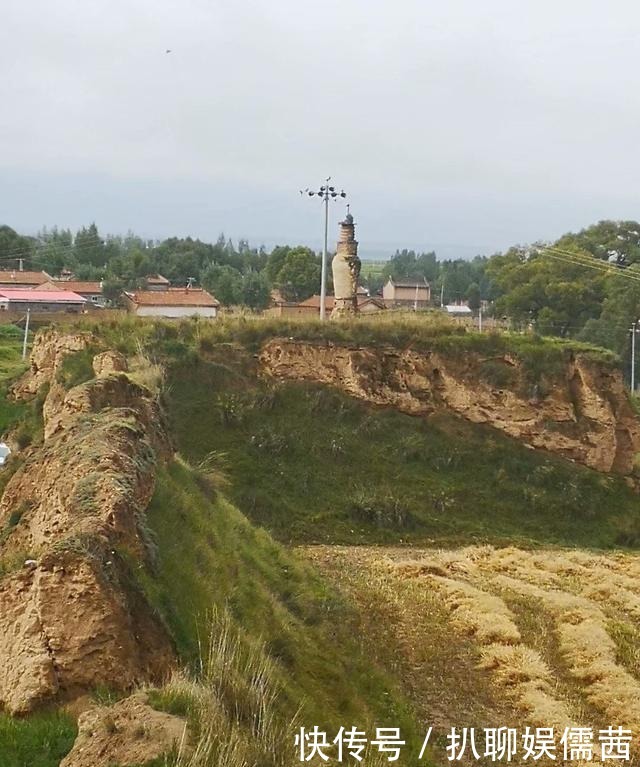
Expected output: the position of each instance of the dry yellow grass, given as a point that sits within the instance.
(478, 613)
(565, 658)
(579, 590)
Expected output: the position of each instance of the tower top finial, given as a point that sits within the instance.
(348, 218)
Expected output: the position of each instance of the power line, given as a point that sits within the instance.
(602, 267)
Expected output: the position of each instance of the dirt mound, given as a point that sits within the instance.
(127, 733)
(585, 416)
(72, 516)
(47, 354)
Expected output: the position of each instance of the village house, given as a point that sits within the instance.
(310, 307)
(407, 294)
(173, 302)
(23, 299)
(156, 282)
(18, 279)
(91, 291)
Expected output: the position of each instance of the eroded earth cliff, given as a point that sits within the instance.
(585, 415)
(71, 616)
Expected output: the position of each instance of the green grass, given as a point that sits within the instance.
(312, 465)
(429, 330)
(39, 740)
(11, 365)
(210, 556)
(77, 368)
(297, 463)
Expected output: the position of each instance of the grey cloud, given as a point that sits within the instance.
(461, 125)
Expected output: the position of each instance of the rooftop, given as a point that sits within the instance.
(38, 296)
(173, 297)
(329, 301)
(421, 283)
(458, 309)
(23, 278)
(314, 302)
(156, 279)
(78, 286)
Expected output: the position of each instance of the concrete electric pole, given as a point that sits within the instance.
(26, 335)
(633, 330)
(326, 192)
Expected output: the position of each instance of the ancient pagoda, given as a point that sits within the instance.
(346, 269)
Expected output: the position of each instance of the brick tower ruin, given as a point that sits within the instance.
(346, 269)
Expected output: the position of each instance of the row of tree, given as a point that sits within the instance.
(236, 274)
(557, 295)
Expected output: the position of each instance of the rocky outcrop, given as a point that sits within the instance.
(585, 415)
(109, 362)
(72, 516)
(127, 733)
(47, 354)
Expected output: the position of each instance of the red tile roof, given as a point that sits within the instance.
(23, 278)
(173, 297)
(314, 302)
(48, 296)
(78, 286)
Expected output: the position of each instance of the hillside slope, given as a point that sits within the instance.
(167, 474)
(122, 562)
(314, 465)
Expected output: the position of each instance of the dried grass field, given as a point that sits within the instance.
(488, 637)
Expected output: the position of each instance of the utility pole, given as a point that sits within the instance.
(480, 319)
(325, 192)
(26, 334)
(633, 329)
(442, 294)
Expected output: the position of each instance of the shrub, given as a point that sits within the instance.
(386, 511)
(77, 368)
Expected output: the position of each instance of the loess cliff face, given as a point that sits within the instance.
(71, 617)
(585, 416)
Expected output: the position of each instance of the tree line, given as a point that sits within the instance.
(551, 295)
(237, 274)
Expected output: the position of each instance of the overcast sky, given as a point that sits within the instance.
(458, 125)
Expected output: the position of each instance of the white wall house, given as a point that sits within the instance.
(407, 293)
(175, 302)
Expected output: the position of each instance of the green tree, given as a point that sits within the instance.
(275, 262)
(255, 290)
(406, 264)
(473, 296)
(561, 297)
(13, 246)
(299, 275)
(620, 308)
(112, 289)
(225, 283)
(89, 246)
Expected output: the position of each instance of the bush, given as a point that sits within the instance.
(76, 368)
(386, 511)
